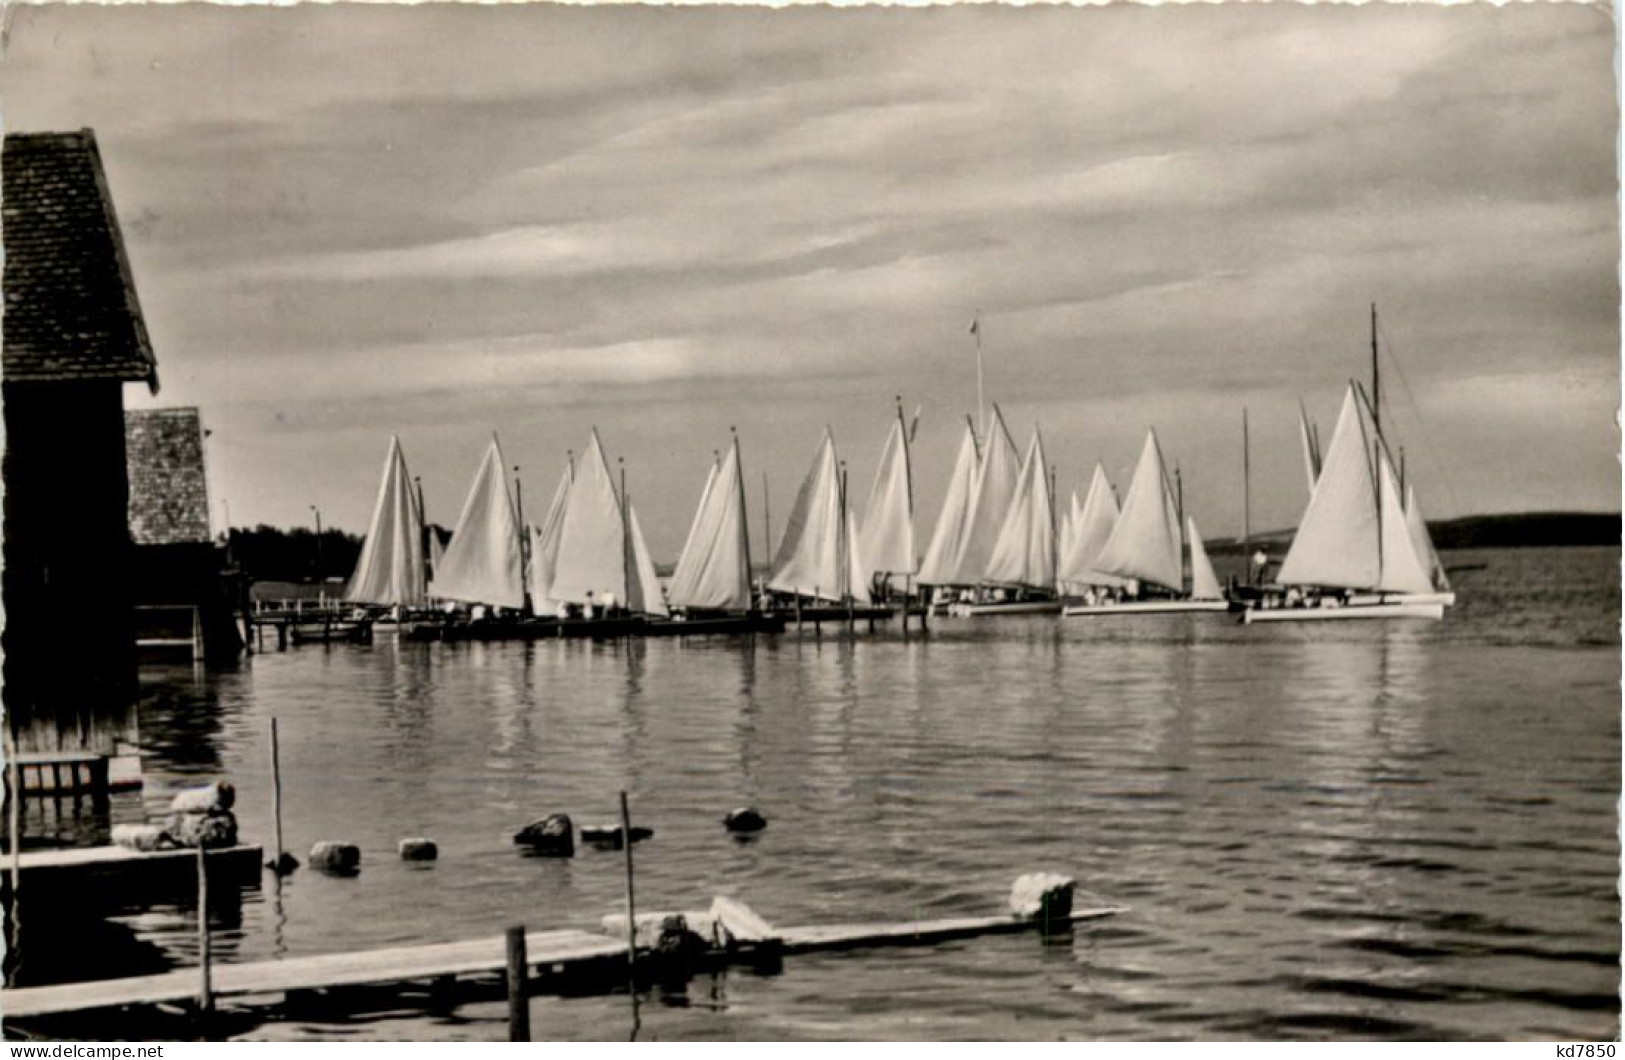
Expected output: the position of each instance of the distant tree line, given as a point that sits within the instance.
(270, 553)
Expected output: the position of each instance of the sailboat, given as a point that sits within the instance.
(940, 562)
(390, 571)
(483, 564)
(1362, 549)
(819, 554)
(602, 561)
(1022, 565)
(978, 521)
(886, 535)
(544, 547)
(1148, 547)
(1090, 526)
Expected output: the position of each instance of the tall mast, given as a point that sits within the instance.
(767, 515)
(524, 538)
(1054, 536)
(1246, 491)
(981, 405)
(1179, 510)
(744, 517)
(1376, 376)
(626, 540)
(843, 571)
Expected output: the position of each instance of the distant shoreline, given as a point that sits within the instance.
(1519, 530)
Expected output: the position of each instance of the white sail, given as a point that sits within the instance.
(1422, 542)
(1403, 569)
(592, 556)
(714, 568)
(937, 568)
(860, 572)
(701, 513)
(995, 485)
(437, 555)
(1204, 583)
(1091, 528)
(544, 549)
(1069, 527)
(1024, 553)
(1144, 543)
(482, 564)
(810, 561)
(887, 533)
(1311, 451)
(390, 569)
(643, 591)
(1336, 543)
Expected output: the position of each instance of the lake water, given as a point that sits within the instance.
(1383, 830)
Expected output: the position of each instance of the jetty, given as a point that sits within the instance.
(120, 871)
(735, 934)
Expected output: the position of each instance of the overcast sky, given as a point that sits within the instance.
(439, 222)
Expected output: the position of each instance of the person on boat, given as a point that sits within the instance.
(1294, 597)
(609, 605)
(590, 609)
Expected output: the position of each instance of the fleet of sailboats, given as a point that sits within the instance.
(999, 545)
(1153, 551)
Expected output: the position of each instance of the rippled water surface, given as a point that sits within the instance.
(1375, 830)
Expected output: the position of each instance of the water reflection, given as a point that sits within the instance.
(1293, 814)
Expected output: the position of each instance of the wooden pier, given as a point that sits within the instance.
(123, 870)
(548, 954)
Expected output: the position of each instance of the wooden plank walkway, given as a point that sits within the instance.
(548, 951)
(918, 933)
(76, 868)
(545, 949)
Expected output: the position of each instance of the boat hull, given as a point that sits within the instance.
(1144, 607)
(1016, 607)
(1423, 609)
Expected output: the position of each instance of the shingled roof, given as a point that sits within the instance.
(70, 305)
(169, 492)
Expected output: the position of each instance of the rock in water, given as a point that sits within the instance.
(608, 837)
(553, 836)
(745, 821)
(139, 837)
(211, 830)
(339, 859)
(1043, 896)
(218, 796)
(419, 849)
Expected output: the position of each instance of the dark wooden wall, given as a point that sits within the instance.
(70, 670)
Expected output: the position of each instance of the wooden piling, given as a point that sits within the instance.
(205, 998)
(631, 905)
(276, 800)
(518, 998)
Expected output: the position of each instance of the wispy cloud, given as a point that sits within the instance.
(352, 221)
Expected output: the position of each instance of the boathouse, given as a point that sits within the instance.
(73, 338)
(183, 595)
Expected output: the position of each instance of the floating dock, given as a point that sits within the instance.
(121, 870)
(548, 954)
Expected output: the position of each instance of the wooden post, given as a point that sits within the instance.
(15, 823)
(205, 998)
(276, 798)
(518, 1000)
(631, 905)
